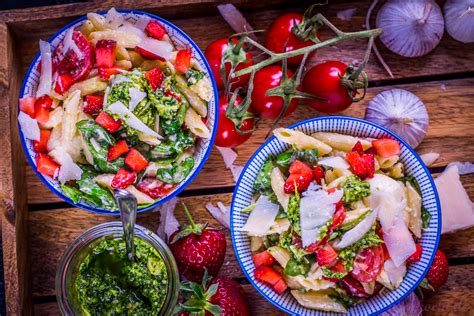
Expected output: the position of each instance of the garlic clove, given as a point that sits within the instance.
(459, 19)
(410, 28)
(402, 112)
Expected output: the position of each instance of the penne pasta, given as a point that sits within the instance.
(121, 53)
(89, 86)
(301, 140)
(340, 141)
(195, 124)
(387, 162)
(123, 38)
(194, 100)
(277, 182)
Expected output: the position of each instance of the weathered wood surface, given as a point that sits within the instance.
(443, 80)
(450, 129)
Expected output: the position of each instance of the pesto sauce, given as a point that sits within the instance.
(109, 284)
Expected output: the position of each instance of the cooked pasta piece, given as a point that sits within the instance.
(256, 243)
(278, 182)
(281, 255)
(68, 124)
(195, 124)
(301, 140)
(123, 38)
(194, 100)
(414, 209)
(387, 162)
(396, 171)
(336, 183)
(137, 60)
(87, 28)
(315, 300)
(98, 21)
(89, 86)
(340, 141)
(203, 88)
(124, 64)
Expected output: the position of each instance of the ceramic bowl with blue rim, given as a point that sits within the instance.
(203, 146)
(350, 126)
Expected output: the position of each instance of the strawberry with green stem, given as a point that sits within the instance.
(196, 248)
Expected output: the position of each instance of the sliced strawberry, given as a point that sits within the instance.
(41, 146)
(300, 174)
(337, 267)
(105, 53)
(173, 94)
(135, 160)
(183, 60)
(338, 218)
(318, 174)
(78, 67)
(363, 165)
(416, 256)
(46, 165)
(42, 106)
(106, 73)
(117, 150)
(263, 259)
(369, 162)
(155, 188)
(148, 55)
(280, 286)
(268, 275)
(155, 77)
(358, 148)
(63, 83)
(155, 30)
(27, 105)
(108, 122)
(325, 255)
(123, 179)
(386, 147)
(93, 104)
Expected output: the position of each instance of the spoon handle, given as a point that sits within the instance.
(127, 204)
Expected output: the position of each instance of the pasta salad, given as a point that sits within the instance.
(334, 219)
(118, 105)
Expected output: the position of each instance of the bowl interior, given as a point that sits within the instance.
(203, 146)
(351, 126)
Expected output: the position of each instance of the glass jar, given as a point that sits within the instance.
(69, 265)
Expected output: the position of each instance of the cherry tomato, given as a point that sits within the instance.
(227, 135)
(213, 55)
(368, 264)
(265, 79)
(324, 81)
(280, 35)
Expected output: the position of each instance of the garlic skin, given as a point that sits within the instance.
(410, 28)
(459, 19)
(402, 112)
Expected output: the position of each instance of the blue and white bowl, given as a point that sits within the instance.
(350, 126)
(204, 146)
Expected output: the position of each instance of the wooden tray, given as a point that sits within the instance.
(37, 226)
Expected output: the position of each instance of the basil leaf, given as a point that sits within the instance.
(425, 217)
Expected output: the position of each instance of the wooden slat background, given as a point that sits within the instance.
(443, 80)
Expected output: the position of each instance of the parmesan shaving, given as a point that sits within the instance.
(229, 157)
(221, 213)
(46, 77)
(168, 222)
(29, 126)
(429, 158)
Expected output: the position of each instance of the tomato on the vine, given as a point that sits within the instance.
(280, 36)
(227, 134)
(324, 81)
(270, 106)
(213, 54)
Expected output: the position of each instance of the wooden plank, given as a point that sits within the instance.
(52, 231)
(450, 129)
(13, 207)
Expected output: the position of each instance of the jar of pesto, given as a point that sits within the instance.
(94, 276)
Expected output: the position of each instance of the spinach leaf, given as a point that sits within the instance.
(284, 159)
(294, 212)
(165, 102)
(340, 296)
(193, 76)
(413, 182)
(354, 189)
(92, 132)
(309, 157)
(425, 217)
(177, 173)
(296, 267)
(262, 183)
(271, 240)
(173, 125)
(171, 149)
(333, 274)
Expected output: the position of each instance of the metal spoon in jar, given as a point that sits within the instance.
(127, 204)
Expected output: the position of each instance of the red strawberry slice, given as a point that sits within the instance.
(183, 60)
(105, 53)
(93, 104)
(135, 160)
(326, 255)
(155, 188)
(318, 174)
(46, 165)
(117, 150)
(280, 286)
(416, 256)
(155, 30)
(155, 77)
(338, 218)
(27, 105)
(123, 179)
(106, 73)
(148, 55)
(386, 147)
(270, 276)
(108, 122)
(358, 148)
(63, 83)
(42, 106)
(41, 146)
(77, 66)
(263, 259)
(300, 174)
(337, 267)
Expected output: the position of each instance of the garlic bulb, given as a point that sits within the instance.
(400, 111)
(410, 28)
(459, 17)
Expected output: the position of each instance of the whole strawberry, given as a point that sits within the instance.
(221, 296)
(438, 273)
(197, 247)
